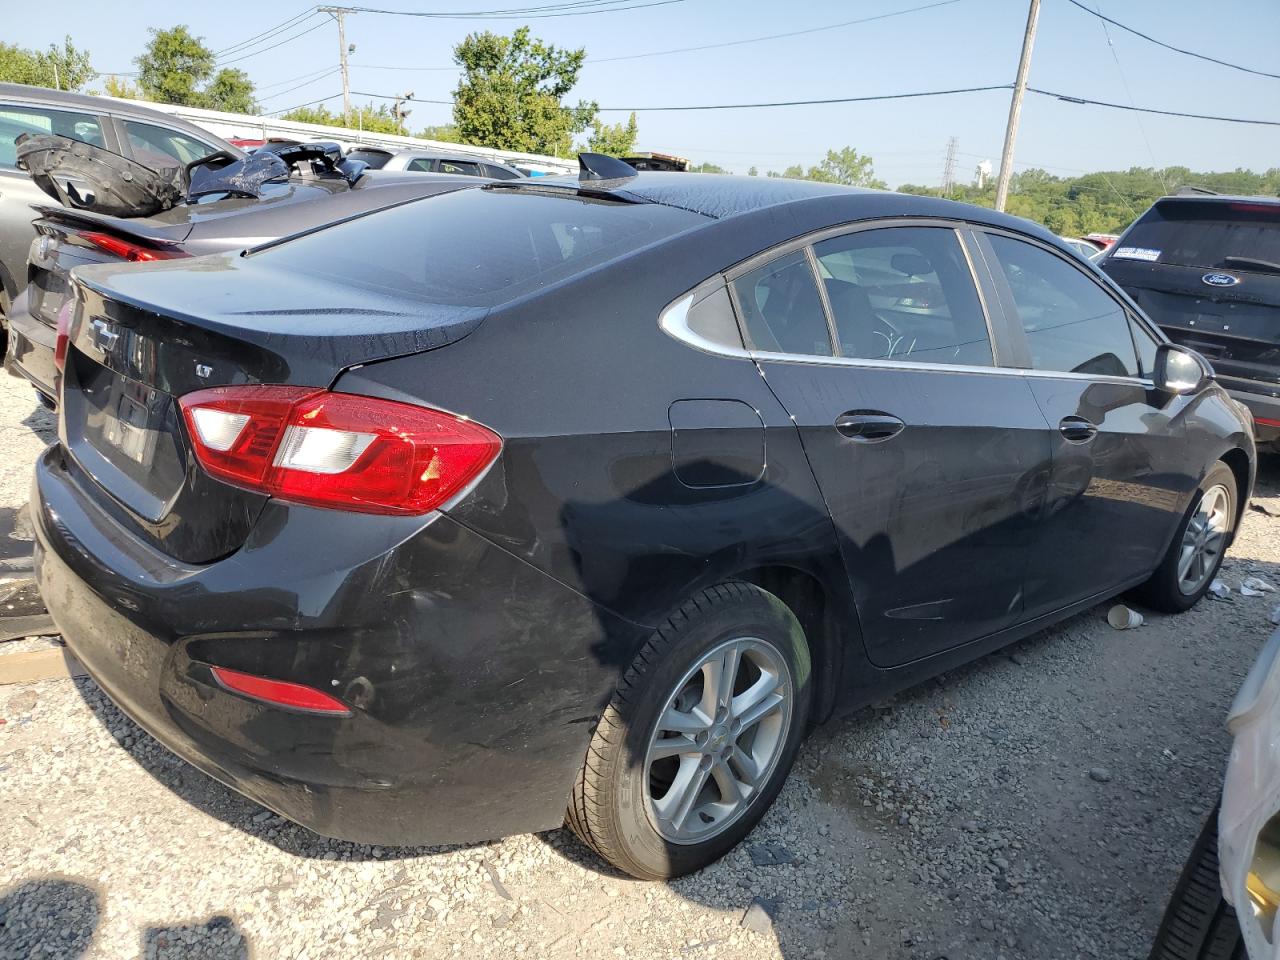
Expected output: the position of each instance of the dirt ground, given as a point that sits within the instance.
(1037, 803)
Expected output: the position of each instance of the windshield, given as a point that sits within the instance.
(1236, 235)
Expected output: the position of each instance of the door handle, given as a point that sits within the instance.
(1077, 429)
(868, 426)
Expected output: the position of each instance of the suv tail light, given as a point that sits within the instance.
(127, 249)
(336, 450)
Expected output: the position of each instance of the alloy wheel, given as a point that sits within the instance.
(1204, 539)
(718, 739)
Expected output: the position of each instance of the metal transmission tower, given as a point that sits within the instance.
(339, 14)
(949, 166)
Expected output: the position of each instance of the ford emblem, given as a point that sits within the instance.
(1220, 279)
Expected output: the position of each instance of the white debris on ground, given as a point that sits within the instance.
(1038, 803)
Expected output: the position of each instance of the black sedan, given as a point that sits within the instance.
(599, 493)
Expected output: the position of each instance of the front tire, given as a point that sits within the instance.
(699, 736)
(1196, 553)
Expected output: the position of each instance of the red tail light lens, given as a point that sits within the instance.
(65, 313)
(281, 693)
(128, 250)
(336, 450)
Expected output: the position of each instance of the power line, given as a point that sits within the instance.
(309, 12)
(774, 36)
(322, 23)
(1164, 113)
(279, 83)
(712, 46)
(1169, 46)
(747, 106)
(299, 106)
(582, 8)
(306, 83)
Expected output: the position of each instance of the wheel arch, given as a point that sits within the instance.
(1241, 467)
(808, 598)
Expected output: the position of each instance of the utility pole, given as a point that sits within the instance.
(339, 14)
(1015, 106)
(949, 166)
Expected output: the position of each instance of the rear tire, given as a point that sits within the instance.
(1199, 924)
(699, 736)
(1171, 589)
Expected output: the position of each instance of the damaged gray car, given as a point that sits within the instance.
(110, 208)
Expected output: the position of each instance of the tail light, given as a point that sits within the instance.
(127, 249)
(65, 312)
(336, 450)
(280, 693)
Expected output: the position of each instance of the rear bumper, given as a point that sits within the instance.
(31, 348)
(473, 677)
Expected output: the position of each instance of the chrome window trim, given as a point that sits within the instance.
(673, 320)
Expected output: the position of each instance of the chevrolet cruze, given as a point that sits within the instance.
(593, 495)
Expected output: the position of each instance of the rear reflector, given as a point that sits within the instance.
(65, 313)
(336, 450)
(280, 693)
(127, 249)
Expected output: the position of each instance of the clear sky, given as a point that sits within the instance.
(961, 44)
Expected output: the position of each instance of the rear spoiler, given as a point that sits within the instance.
(139, 227)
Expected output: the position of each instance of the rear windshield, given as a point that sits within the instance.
(478, 248)
(1232, 235)
(376, 159)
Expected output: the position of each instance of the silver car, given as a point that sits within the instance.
(150, 137)
(425, 161)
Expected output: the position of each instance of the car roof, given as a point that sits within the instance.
(720, 196)
(21, 92)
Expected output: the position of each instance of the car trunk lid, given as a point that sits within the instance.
(143, 336)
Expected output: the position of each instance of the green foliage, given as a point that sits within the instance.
(617, 140)
(1104, 202)
(752, 171)
(117, 87)
(445, 132)
(370, 118)
(510, 93)
(845, 166)
(178, 68)
(707, 167)
(65, 69)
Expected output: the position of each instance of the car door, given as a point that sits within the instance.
(18, 191)
(929, 456)
(1118, 474)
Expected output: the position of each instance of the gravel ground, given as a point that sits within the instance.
(1038, 803)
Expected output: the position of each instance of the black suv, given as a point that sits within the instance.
(1206, 268)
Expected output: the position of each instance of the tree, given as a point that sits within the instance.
(752, 171)
(176, 64)
(845, 166)
(617, 140)
(370, 118)
(511, 91)
(117, 87)
(65, 69)
(707, 167)
(444, 132)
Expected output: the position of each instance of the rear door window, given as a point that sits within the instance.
(1072, 324)
(1234, 235)
(478, 247)
(782, 309)
(904, 293)
(17, 119)
(157, 147)
(463, 167)
(420, 165)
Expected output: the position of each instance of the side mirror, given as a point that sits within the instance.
(1179, 370)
